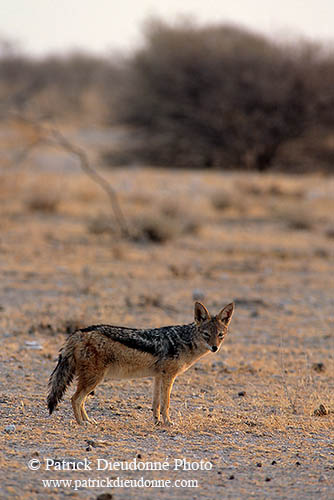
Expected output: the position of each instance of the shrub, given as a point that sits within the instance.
(215, 96)
(42, 202)
(223, 200)
(298, 219)
(159, 228)
(100, 224)
(56, 86)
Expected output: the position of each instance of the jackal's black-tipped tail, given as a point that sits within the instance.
(60, 379)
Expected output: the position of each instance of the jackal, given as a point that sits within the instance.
(104, 351)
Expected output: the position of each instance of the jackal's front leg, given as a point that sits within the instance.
(166, 387)
(156, 399)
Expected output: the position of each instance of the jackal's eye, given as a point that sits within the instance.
(221, 335)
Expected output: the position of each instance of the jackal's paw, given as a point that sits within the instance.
(92, 421)
(157, 421)
(89, 421)
(168, 423)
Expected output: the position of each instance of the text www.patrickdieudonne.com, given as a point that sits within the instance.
(119, 482)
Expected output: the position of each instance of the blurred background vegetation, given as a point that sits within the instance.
(216, 96)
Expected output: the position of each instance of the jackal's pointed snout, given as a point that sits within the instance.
(212, 348)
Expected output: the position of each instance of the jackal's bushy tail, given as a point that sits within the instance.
(60, 378)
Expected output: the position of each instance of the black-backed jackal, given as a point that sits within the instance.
(97, 352)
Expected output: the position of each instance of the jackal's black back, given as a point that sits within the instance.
(167, 341)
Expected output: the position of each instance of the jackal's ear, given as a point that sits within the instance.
(226, 313)
(201, 313)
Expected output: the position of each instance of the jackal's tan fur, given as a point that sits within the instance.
(97, 352)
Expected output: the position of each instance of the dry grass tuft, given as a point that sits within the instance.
(296, 218)
(156, 228)
(43, 202)
(330, 233)
(162, 227)
(222, 200)
(168, 223)
(100, 224)
(272, 188)
(299, 221)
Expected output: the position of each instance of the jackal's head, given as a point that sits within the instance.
(212, 329)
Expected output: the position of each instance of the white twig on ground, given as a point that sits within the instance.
(283, 377)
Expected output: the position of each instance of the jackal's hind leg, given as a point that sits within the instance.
(86, 384)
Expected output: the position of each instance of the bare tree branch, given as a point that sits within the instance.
(44, 134)
(95, 176)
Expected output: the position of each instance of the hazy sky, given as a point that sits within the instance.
(98, 25)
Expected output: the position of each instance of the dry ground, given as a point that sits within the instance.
(265, 242)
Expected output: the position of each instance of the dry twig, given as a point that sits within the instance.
(52, 135)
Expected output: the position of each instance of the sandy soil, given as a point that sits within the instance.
(265, 242)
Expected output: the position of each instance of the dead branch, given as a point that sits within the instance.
(45, 133)
(95, 176)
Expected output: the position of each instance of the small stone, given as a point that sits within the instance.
(10, 428)
(250, 423)
(231, 477)
(318, 367)
(268, 479)
(321, 411)
(104, 496)
(198, 294)
(32, 344)
(241, 393)
(259, 464)
(273, 462)
(297, 463)
(139, 455)
(91, 443)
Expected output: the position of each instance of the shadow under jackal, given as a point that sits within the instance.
(103, 351)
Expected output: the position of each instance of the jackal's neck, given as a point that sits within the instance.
(188, 336)
(192, 342)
